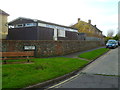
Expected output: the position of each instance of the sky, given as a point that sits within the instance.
(102, 13)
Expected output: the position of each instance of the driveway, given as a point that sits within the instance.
(102, 73)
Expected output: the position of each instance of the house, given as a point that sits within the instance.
(3, 24)
(91, 31)
(33, 29)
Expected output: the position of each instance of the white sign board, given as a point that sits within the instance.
(29, 47)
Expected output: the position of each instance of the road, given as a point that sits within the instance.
(102, 73)
(107, 64)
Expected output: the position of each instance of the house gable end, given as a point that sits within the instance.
(3, 13)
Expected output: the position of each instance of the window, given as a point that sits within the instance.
(61, 33)
(100, 33)
(19, 25)
(11, 26)
(42, 24)
(30, 24)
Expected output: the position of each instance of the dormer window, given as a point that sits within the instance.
(19, 25)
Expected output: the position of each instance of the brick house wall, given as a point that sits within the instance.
(3, 24)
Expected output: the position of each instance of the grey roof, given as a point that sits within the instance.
(3, 12)
(40, 21)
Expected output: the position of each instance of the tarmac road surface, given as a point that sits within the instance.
(102, 73)
(107, 64)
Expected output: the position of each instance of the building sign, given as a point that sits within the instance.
(29, 48)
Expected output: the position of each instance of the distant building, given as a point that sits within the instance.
(3, 24)
(32, 29)
(92, 32)
(81, 36)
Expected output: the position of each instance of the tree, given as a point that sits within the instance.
(116, 37)
(110, 33)
(107, 38)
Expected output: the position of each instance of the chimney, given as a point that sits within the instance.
(78, 19)
(89, 21)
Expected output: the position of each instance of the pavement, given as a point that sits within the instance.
(102, 73)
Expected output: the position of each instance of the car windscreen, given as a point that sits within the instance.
(111, 42)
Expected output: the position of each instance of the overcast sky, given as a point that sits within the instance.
(103, 13)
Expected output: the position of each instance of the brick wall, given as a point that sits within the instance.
(49, 48)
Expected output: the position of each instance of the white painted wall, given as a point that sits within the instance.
(55, 34)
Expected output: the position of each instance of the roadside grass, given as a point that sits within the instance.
(42, 69)
(91, 55)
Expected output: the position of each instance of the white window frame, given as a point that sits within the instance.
(11, 26)
(30, 24)
(42, 24)
(19, 26)
(61, 33)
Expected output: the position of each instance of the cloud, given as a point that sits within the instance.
(103, 0)
(103, 13)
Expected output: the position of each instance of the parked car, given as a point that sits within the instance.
(119, 43)
(112, 44)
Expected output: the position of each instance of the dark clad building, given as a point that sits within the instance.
(32, 29)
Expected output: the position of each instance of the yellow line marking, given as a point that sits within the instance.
(57, 85)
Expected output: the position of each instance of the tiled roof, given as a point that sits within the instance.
(85, 23)
(3, 12)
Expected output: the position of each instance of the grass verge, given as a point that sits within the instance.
(91, 55)
(43, 69)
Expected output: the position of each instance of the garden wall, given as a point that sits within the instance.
(49, 48)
